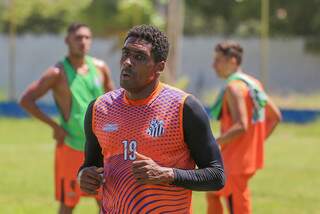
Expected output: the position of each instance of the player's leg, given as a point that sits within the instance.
(64, 209)
(239, 201)
(230, 204)
(214, 205)
(67, 192)
(99, 203)
(214, 198)
(75, 159)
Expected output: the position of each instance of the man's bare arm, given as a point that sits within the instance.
(35, 91)
(237, 107)
(273, 117)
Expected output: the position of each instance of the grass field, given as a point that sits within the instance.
(289, 183)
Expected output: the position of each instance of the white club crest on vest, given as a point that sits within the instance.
(156, 128)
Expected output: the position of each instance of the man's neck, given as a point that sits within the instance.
(76, 62)
(238, 69)
(144, 93)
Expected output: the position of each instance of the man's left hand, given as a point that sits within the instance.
(146, 171)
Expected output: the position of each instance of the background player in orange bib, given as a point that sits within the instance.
(247, 117)
(148, 137)
(74, 82)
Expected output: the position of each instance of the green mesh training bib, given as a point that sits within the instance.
(84, 89)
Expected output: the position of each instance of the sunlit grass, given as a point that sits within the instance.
(288, 183)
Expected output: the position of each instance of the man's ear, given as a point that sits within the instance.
(234, 60)
(160, 67)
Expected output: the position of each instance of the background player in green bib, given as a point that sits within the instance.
(74, 81)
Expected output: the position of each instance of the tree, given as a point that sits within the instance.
(105, 17)
(114, 17)
(40, 15)
(241, 17)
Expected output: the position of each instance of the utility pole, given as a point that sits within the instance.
(175, 20)
(264, 43)
(12, 51)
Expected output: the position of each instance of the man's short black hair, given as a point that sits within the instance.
(230, 49)
(73, 27)
(159, 41)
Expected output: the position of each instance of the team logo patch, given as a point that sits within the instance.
(156, 128)
(110, 127)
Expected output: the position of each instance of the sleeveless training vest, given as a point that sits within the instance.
(152, 127)
(84, 89)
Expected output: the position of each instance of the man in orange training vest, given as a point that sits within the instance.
(247, 117)
(148, 137)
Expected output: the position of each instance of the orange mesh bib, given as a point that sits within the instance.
(152, 127)
(244, 155)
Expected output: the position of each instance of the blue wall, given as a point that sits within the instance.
(12, 109)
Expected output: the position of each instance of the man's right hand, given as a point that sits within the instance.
(90, 179)
(59, 134)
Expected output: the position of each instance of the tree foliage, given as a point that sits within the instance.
(113, 17)
(40, 15)
(242, 17)
(117, 16)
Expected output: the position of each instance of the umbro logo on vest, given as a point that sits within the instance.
(110, 127)
(156, 128)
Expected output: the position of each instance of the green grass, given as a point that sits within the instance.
(289, 183)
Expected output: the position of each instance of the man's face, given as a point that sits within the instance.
(137, 65)
(79, 42)
(222, 64)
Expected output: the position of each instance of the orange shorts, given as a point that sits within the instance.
(234, 183)
(237, 193)
(67, 164)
